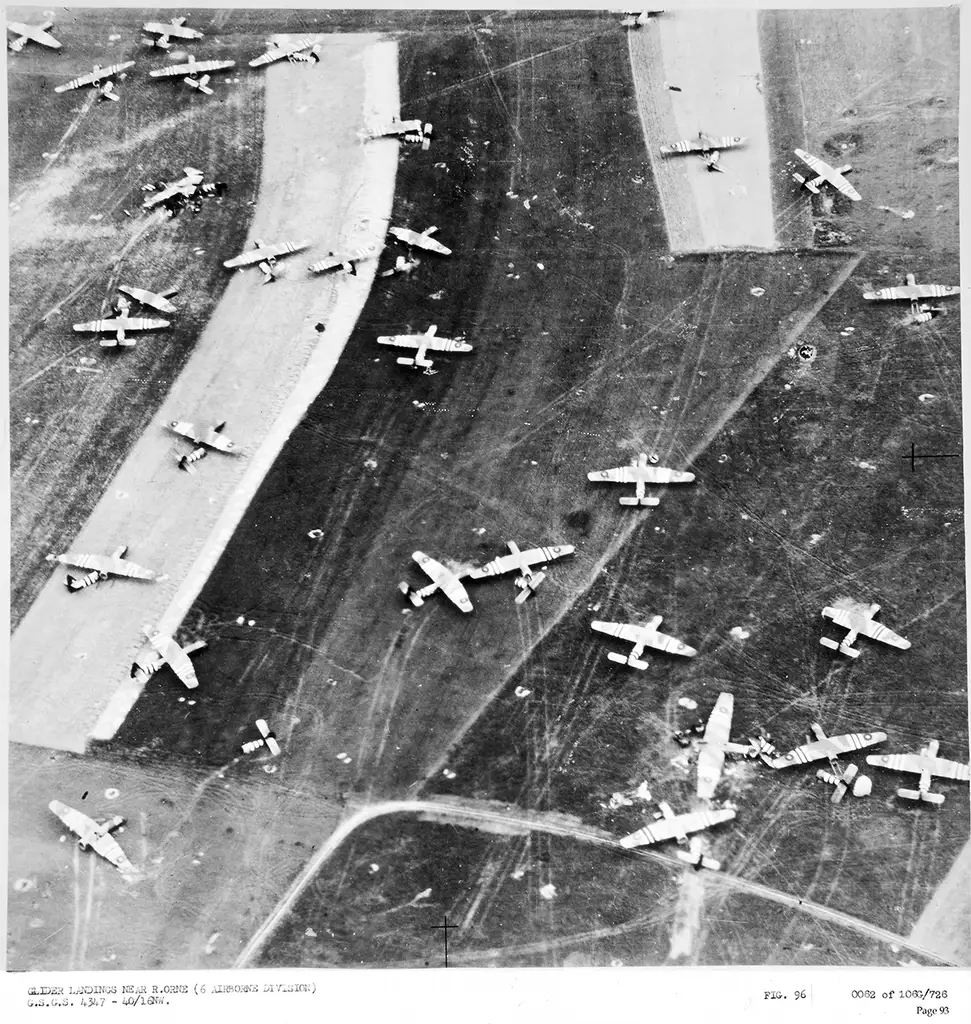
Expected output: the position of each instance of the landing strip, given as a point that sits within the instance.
(712, 57)
(259, 364)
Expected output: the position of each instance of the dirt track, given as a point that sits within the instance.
(258, 365)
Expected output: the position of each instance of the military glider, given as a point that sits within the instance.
(826, 747)
(101, 566)
(410, 131)
(99, 78)
(192, 70)
(675, 826)
(174, 655)
(157, 300)
(445, 579)
(715, 744)
(420, 239)
(824, 172)
(641, 637)
(268, 740)
(703, 144)
(522, 562)
(641, 474)
(927, 765)
(119, 326)
(912, 291)
(423, 342)
(860, 621)
(96, 835)
(695, 856)
(292, 52)
(166, 30)
(31, 34)
(343, 261)
(148, 662)
(265, 256)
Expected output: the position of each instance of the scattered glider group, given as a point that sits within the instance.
(448, 578)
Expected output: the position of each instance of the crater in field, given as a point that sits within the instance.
(580, 519)
(844, 143)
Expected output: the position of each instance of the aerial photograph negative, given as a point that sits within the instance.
(486, 489)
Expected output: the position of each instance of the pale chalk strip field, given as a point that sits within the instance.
(713, 57)
(258, 365)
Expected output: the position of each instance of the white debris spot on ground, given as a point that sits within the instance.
(315, 534)
(814, 539)
(112, 794)
(680, 762)
(436, 296)
(310, 933)
(448, 773)
(370, 464)
(211, 944)
(539, 266)
(861, 464)
(926, 398)
(643, 793)
(521, 691)
(687, 702)
(251, 622)
(240, 620)
(518, 873)
(423, 895)
(902, 214)
(739, 633)
(478, 531)
(548, 891)
(619, 800)
(374, 868)
(24, 884)
(757, 292)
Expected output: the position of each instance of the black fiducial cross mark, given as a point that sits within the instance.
(445, 927)
(913, 456)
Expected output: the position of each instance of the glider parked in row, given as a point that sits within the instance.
(192, 70)
(31, 34)
(148, 662)
(343, 261)
(703, 144)
(265, 257)
(100, 79)
(641, 474)
(166, 30)
(101, 566)
(641, 637)
(304, 50)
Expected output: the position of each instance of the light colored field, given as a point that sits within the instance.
(713, 57)
(258, 365)
(945, 925)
